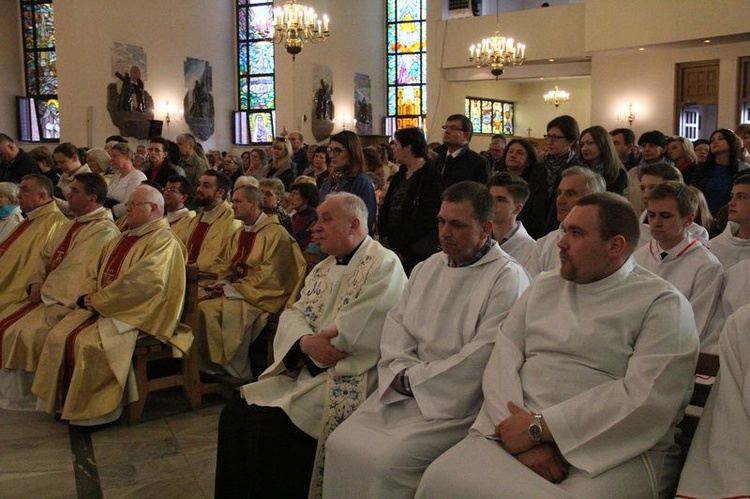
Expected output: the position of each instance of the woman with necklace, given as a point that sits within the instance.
(407, 222)
(347, 174)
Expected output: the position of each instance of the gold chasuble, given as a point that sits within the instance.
(180, 224)
(266, 269)
(21, 252)
(86, 357)
(66, 273)
(208, 239)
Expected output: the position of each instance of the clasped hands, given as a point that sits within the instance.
(543, 459)
(318, 347)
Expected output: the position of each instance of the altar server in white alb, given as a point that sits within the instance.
(434, 348)
(733, 245)
(718, 464)
(587, 379)
(673, 254)
(576, 182)
(509, 194)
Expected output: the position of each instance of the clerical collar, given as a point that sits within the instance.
(346, 259)
(209, 213)
(91, 213)
(477, 256)
(675, 252)
(175, 215)
(253, 227)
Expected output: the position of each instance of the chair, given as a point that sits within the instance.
(705, 372)
(149, 349)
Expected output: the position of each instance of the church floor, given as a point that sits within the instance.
(172, 453)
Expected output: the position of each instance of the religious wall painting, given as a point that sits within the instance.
(129, 104)
(199, 101)
(362, 104)
(323, 109)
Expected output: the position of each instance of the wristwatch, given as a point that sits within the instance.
(535, 429)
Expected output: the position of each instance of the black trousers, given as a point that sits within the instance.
(262, 454)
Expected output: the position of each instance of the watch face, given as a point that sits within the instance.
(535, 432)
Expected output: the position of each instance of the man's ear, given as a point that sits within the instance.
(618, 245)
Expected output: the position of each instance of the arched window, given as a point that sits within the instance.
(256, 66)
(39, 110)
(406, 37)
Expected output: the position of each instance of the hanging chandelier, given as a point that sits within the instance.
(295, 24)
(497, 52)
(556, 97)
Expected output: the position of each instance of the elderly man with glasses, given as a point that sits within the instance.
(455, 161)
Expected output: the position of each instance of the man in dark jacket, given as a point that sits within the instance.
(456, 162)
(15, 162)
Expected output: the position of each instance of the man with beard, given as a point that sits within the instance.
(210, 232)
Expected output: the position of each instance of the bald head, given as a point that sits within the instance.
(145, 204)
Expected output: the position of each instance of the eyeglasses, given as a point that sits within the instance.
(173, 191)
(135, 204)
(452, 128)
(554, 137)
(335, 151)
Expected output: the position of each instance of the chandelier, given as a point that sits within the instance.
(556, 96)
(295, 24)
(497, 52)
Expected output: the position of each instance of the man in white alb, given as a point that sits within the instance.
(587, 379)
(433, 351)
(509, 194)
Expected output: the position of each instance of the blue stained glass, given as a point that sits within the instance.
(391, 38)
(392, 69)
(391, 11)
(409, 68)
(244, 93)
(242, 55)
(259, 17)
(261, 58)
(408, 10)
(262, 95)
(392, 101)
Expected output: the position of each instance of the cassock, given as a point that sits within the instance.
(609, 365)
(718, 464)
(696, 273)
(265, 268)
(520, 245)
(179, 221)
(66, 274)
(729, 248)
(21, 251)
(443, 343)
(352, 298)
(209, 235)
(140, 286)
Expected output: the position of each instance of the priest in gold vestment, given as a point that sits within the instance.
(176, 193)
(262, 270)
(21, 250)
(59, 279)
(210, 232)
(140, 285)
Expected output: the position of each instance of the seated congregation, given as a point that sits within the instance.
(462, 325)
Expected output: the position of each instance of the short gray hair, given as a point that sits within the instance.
(352, 205)
(594, 181)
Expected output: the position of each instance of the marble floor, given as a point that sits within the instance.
(172, 453)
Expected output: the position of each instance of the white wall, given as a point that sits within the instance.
(648, 80)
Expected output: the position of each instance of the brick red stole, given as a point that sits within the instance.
(111, 271)
(245, 246)
(62, 251)
(14, 235)
(196, 241)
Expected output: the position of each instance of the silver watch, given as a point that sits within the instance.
(536, 430)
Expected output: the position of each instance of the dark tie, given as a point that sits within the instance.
(664, 255)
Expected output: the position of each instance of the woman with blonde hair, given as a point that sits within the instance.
(281, 166)
(680, 150)
(10, 212)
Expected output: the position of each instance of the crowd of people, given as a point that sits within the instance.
(522, 320)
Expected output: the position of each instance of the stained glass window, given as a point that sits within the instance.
(256, 86)
(406, 38)
(38, 113)
(491, 116)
